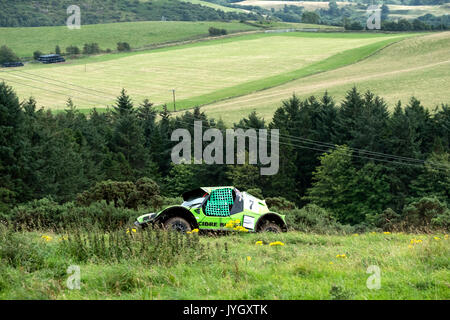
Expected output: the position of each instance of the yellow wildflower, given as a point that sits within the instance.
(341, 256)
(386, 232)
(249, 258)
(355, 234)
(331, 262)
(195, 231)
(47, 238)
(373, 232)
(446, 237)
(437, 238)
(276, 243)
(259, 243)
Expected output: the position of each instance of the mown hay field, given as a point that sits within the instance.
(200, 73)
(418, 67)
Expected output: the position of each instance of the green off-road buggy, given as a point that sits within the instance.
(217, 208)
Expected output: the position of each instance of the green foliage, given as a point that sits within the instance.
(312, 218)
(425, 214)
(256, 192)
(217, 32)
(90, 48)
(37, 54)
(73, 50)
(146, 246)
(279, 203)
(123, 46)
(120, 156)
(46, 213)
(144, 193)
(7, 55)
(349, 193)
(310, 17)
(111, 11)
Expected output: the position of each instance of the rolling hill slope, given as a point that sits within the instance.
(417, 67)
(201, 73)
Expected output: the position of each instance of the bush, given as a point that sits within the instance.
(91, 48)
(7, 55)
(72, 50)
(388, 220)
(123, 46)
(256, 192)
(145, 192)
(425, 214)
(46, 213)
(37, 54)
(312, 218)
(217, 32)
(279, 203)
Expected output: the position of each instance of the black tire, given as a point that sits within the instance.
(270, 227)
(177, 224)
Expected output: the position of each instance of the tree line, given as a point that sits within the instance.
(27, 13)
(355, 159)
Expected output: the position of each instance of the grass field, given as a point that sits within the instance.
(216, 6)
(278, 5)
(24, 41)
(418, 66)
(201, 72)
(307, 266)
(396, 11)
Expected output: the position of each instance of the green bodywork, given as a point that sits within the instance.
(219, 205)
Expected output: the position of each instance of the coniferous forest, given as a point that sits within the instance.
(358, 162)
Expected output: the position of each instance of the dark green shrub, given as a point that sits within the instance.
(312, 218)
(256, 192)
(279, 203)
(144, 193)
(388, 220)
(425, 214)
(7, 55)
(91, 48)
(123, 46)
(46, 213)
(37, 54)
(217, 32)
(73, 50)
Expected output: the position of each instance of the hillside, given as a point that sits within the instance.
(27, 13)
(413, 67)
(24, 41)
(201, 72)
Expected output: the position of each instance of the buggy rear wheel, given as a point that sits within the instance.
(177, 224)
(270, 227)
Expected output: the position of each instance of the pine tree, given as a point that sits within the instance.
(124, 105)
(11, 141)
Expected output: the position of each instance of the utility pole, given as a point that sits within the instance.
(174, 105)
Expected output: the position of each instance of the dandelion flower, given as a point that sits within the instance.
(276, 243)
(386, 232)
(259, 243)
(437, 238)
(249, 258)
(47, 238)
